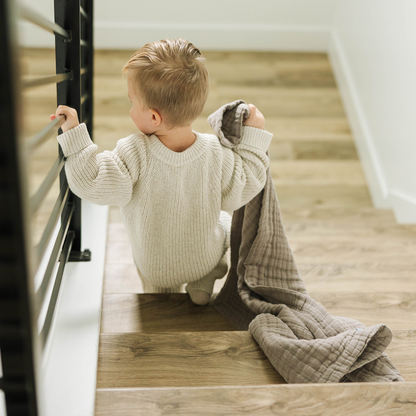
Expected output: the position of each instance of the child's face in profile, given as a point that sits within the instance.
(141, 116)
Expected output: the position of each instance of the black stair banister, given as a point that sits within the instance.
(22, 337)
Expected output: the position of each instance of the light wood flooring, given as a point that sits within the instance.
(162, 355)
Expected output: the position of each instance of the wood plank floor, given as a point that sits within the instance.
(355, 260)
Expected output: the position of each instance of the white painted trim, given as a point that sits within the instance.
(404, 207)
(2, 398)
(364, 142)
(110, 35)
(69, 366)
(2, 404)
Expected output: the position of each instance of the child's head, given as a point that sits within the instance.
(169, 77)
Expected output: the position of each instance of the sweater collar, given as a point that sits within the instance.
(161, 152)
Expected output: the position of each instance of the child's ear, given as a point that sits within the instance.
(156, 119)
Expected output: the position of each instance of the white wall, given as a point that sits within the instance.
(301, 25)
(2, 398)
(373, 52)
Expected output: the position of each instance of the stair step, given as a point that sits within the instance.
(332, 224)
(316, 172)
(325, 196)
(329, 250)
(175, 312)
(397, 310)
(402, 351)
(347, 399)
(357, 277)
(358, 215)
(162, 312)
(182, 359)
(364, 216)
(206, 359)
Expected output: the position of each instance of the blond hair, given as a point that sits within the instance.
(170, 77)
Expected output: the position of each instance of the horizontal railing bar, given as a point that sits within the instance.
(83, 43)
(84, 70)
(32, 16)
(36, 200)
(44, 134)
(56, 250)
(53, 220)
(49, 79)
(57, 285)
(84, 98)
(84, 13)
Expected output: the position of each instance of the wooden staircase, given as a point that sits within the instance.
(162, 355)
(154, 364)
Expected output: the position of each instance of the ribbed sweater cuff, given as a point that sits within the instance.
(74, 140)
(256, 137)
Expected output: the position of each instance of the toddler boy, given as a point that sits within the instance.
(172, 184)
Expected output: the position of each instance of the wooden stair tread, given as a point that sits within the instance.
(402, 352)
(174, 312)
(368, 278)
(349, 231)
(397, 310)
(317, 196)
(309, 128)
(325, 250)
(330, 231)
(317, 172)
(319, 249)
(354, 216)
(268, 73)
(293, 102)
(205, 359)
(299, 149)
(162, 312)
(365, 225)
(185, 359)
(347, 399)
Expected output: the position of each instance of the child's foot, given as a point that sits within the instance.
(200, 291)
(200, 297)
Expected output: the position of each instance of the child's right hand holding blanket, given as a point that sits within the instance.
(256, 118)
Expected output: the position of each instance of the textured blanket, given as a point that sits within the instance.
(265, 294)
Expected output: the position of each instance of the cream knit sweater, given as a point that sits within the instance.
(170, 201)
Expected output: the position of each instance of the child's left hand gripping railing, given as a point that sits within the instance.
(22, 341)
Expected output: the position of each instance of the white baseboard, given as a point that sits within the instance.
(204, 36)
(404, 207)
(69, 367)
(2, 397)
(362, 136)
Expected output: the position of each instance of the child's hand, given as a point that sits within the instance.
(71, 117)
(256, 118)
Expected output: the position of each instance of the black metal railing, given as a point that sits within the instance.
(21, 340)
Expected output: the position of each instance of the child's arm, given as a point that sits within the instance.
(245, 166)
(106, 178)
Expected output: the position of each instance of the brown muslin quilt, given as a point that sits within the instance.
(265, 294)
